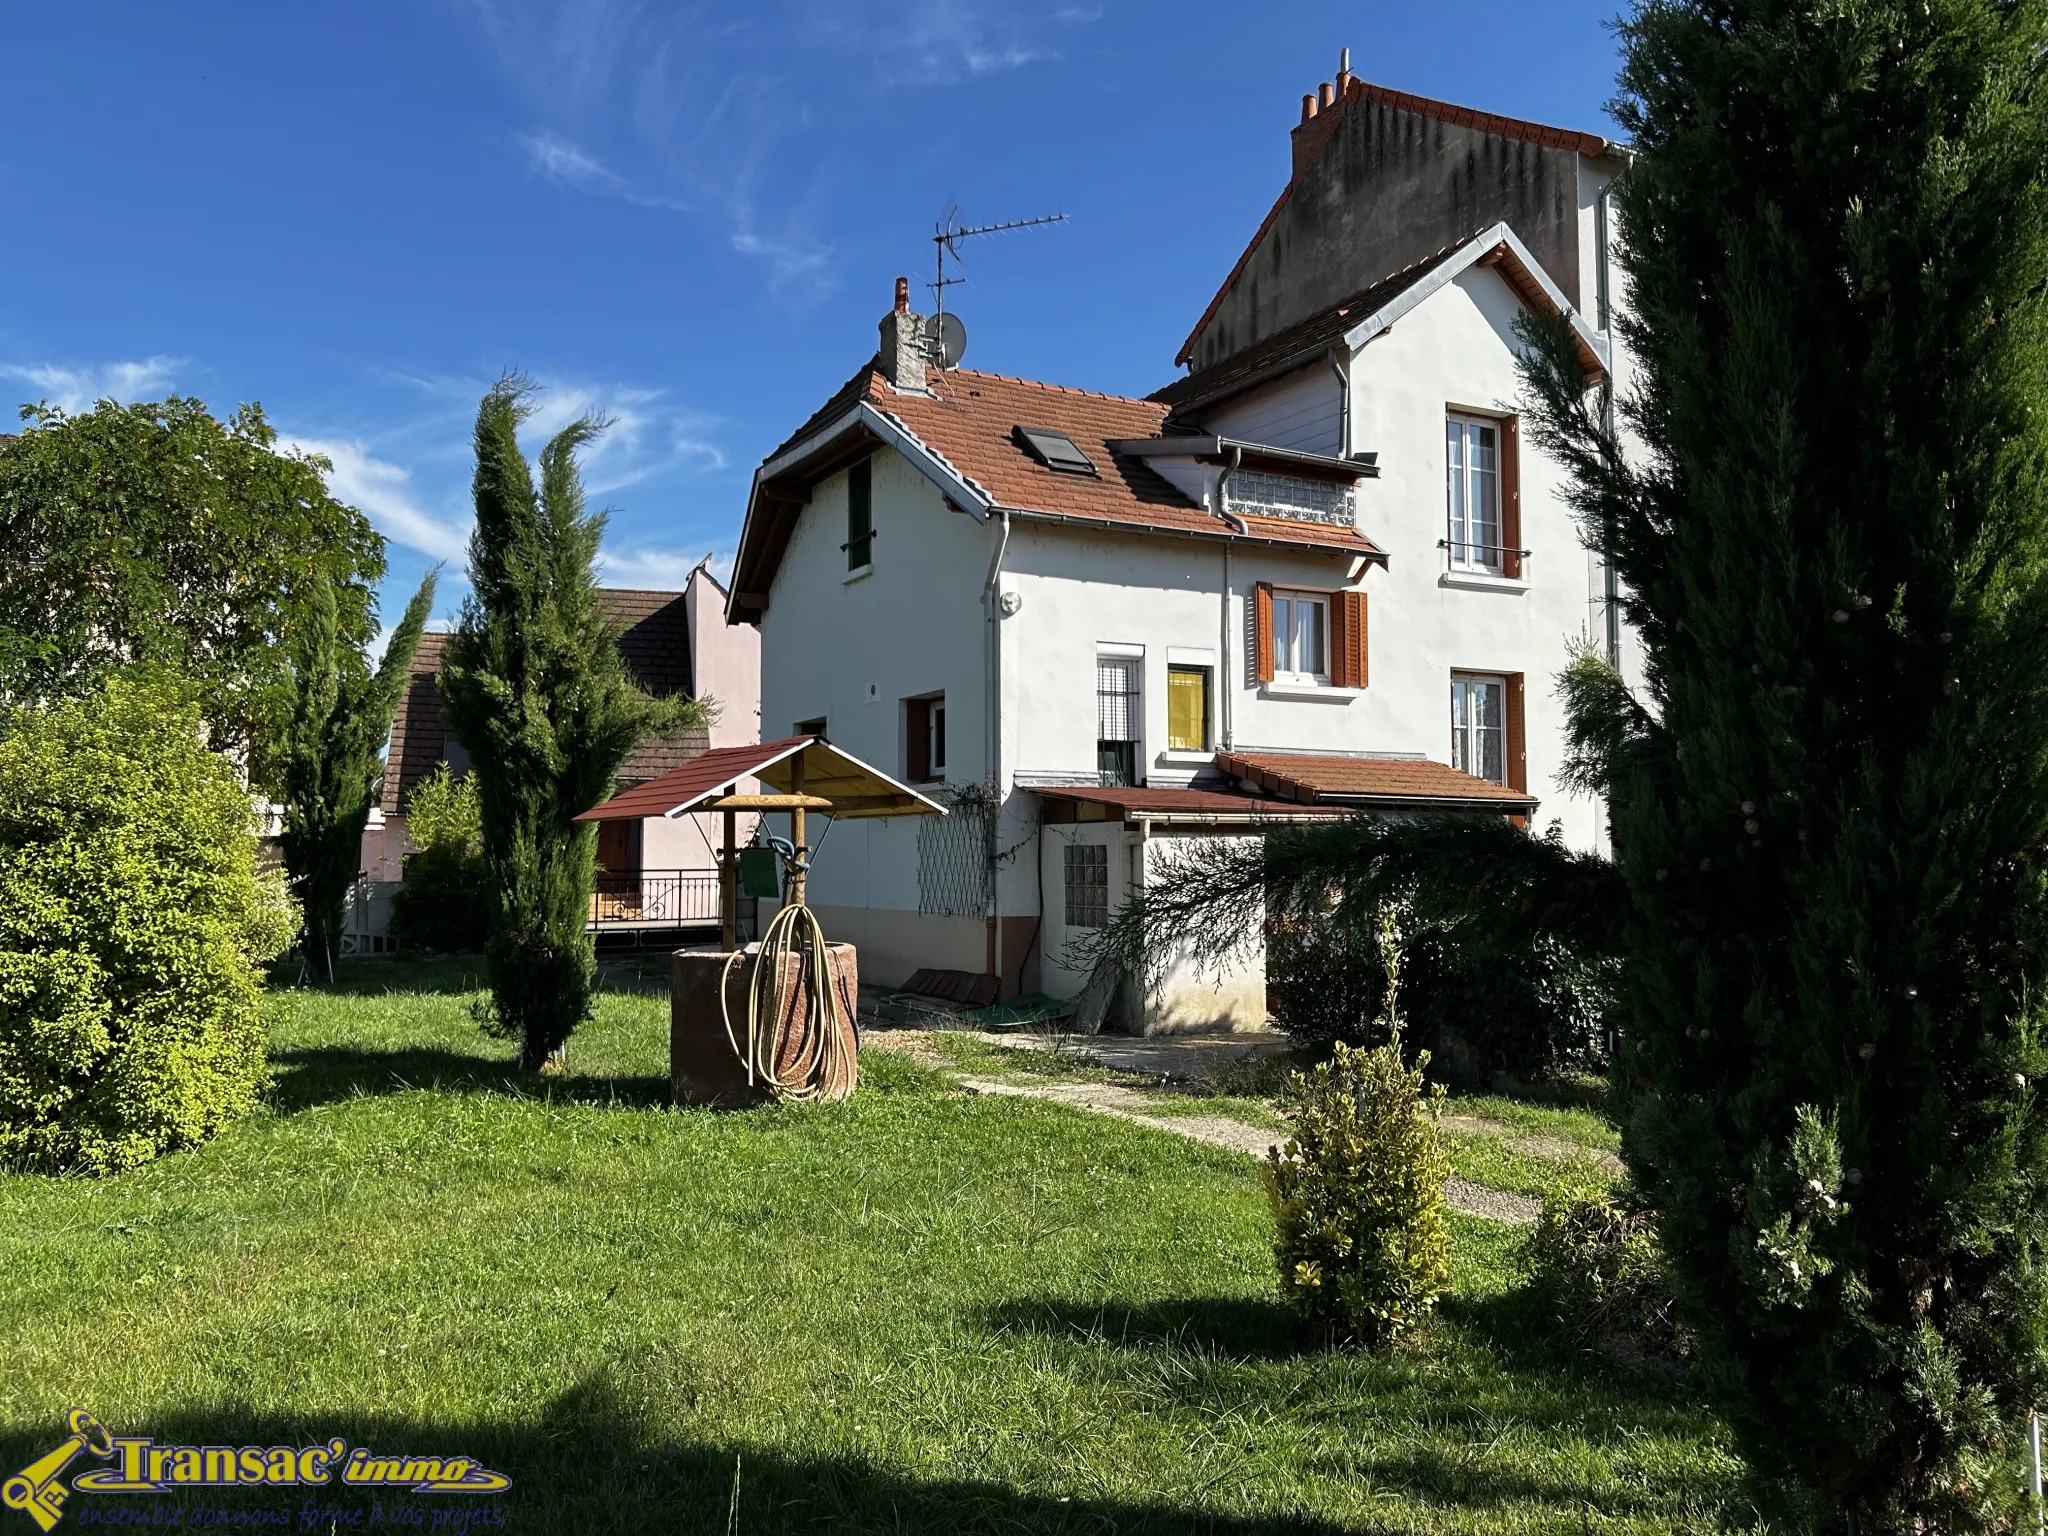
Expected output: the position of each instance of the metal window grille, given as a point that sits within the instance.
(1116, 719)
(1087, 883)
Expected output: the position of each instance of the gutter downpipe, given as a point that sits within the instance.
(992, 678)
(1343, 404)
(1226, 678)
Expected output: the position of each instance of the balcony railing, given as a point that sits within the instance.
(654, 898)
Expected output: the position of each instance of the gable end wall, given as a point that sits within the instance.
(1390, 188)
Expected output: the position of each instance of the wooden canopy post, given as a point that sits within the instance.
(796, 829)
(729, 887)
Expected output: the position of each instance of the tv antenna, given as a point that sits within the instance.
(946, 240)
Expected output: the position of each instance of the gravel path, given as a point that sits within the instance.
(1235, 1135)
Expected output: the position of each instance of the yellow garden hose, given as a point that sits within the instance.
(822, 1067)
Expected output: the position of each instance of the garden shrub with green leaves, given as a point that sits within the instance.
(1594, 1266)
(1533, 1009)
(133, 924)
(442, 902)
(1358, 1195)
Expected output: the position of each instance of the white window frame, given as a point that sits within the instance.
(1285, 635)
(1472, 544)
(935, 737)
(1467, 733)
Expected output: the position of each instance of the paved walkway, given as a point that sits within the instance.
(1220, 1131)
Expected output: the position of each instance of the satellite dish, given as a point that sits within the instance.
(949, 339)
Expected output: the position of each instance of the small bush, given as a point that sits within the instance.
(1358, 1195)
(1594, 1267)
(133, 924)
(441, 905)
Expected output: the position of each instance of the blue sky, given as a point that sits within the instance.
(688, 216)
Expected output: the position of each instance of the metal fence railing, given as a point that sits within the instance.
(654, 898)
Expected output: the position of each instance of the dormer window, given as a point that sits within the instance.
(1055, 450)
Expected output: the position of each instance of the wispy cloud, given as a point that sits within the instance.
(708, 110)
(383, 491)
(568, 165)
(659, 569)
(79, 387)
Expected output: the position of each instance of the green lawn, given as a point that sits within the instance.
(918, 1311)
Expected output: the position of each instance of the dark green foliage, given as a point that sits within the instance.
(443, 903)
(534, 687)
(1531, 1010)
(133, 922)
(1831, 805)
(153, 534)
(1594, 1267)
(338, 716)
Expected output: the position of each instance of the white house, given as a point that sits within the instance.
(1323, 571)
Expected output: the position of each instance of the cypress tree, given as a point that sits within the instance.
(337, 716)
(534, 686)
(1831, 809)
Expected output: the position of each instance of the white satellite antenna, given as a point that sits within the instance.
(948, 335)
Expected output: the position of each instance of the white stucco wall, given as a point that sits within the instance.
(1183, 997)
(1458, 348)
(852, 652)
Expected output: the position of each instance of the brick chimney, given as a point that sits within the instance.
(1319, 113)
(903, 354)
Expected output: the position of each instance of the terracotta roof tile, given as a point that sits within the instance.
(1311, 780)
(1185, 802)
(969, 420)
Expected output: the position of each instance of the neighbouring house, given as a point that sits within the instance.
(1323, 571)
(673, 643)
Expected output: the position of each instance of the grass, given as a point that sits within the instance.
(920, 1310)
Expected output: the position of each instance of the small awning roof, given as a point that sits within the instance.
(1394, 783)
(854, 788)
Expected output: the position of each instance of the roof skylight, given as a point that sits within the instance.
(1055, 450)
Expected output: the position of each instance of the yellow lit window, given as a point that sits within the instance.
(1187, 709)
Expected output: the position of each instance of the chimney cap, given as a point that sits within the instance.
(902, 295)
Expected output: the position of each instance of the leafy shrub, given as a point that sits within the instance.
(1358, 1195)
(1532, 1010)
(133, 924)
(441, 905)
(1594, 1267)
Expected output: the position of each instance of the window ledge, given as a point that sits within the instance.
(1174, 757)
(860, 575)
(1482, 581)
(1320, 692)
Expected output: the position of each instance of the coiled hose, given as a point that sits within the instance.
(822, 1067)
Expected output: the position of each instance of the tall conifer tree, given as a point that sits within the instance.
(337, 717)
(536, 691)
